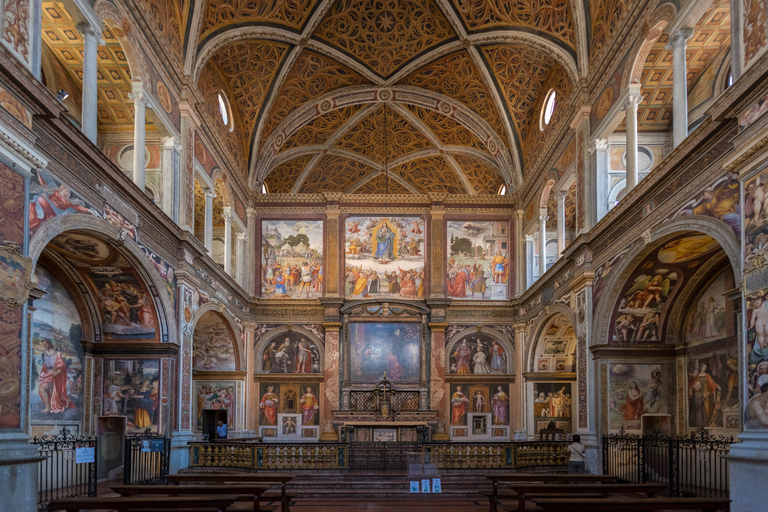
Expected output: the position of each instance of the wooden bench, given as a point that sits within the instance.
(241, 492)
(251, 478)
(126, 504)
(538, 477)
(629, 505)
(574, 490)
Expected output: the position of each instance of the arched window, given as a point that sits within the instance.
(547, 110)
(224, 111)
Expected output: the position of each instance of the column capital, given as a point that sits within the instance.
(529, 238)
(251, 213)
(601, 144)
(172, 143)
(240, 236)
(633, 100)
(209, 192)
(519, 213)
(138, 95)
(561, 195)
(90, 32)
(679, 38)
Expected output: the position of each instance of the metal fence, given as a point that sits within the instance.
(147, 459)
(59, 473)
(690, 466)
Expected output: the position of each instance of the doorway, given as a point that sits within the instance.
(210, 419)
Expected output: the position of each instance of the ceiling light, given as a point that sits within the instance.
(62, 95)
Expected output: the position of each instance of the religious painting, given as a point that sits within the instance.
(707, 318)
(755, 33)
(82, 247)
(478, 259)
(555, 347)
(552, 400)
(289, 352)
(384, 257)
(478, 354)
(641, 312)
(756, 417)
(215, 396)
(755, 223)
(291, 259)
(56, 393)
(479, 398)
(119, 221)
(301, 399)
(131, 389)
(391, 348)
(213, 347)
(166, 271)
(126, 306)
(50, 198)
(720, 201)
(713, 388)
(634, 390)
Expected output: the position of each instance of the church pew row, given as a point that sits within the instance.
(631, 505)
(244, 492)
(127, 504)
(530, 490)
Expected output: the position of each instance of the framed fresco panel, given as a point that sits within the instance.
(478, 259)
(391, 348)
(634, 390)
(131, 389)
(291, 259)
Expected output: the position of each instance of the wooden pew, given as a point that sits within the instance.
(629, 505)
(123, 504)
(240, 491)
(574, 490)
(237, 478)
(496, 478)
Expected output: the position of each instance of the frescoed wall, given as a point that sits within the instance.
(213, 346)
(708, 317)
(394, 348)
(757, 362)
(552, 403)
(478, 259)
(291, 259)
(56, 394)
(126, 307)
(289, 352)
(131, 388)
(478, 354)
(215, 396)
(384, 257)
(635, 389)
(289, 411)
(713, 390)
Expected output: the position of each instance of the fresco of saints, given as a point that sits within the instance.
(498, 358)
(704, 399)
(500, 407)
(498, 266)
(268, 406)
(385, 240)
(145, 404)
(309, 407)
(462, 355)
(459, 403)
(635, 403)
(53, 380)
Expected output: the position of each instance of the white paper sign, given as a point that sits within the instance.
(84, 455)
(414, 486)
(425, 485)
(436, 487)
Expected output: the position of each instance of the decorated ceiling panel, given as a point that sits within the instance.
(383, 131)
(484, 179)
(606, 16)
(170, 19)
(320, 129)
(430, 174)
(381, 185)
(384, 35)
(552, 17)
(220, 14)
(457, 77)
(311, 76)
(282, 178)
(446, 129)
(334, 174)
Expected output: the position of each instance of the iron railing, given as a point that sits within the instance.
(147, 459)
(385, 456)
(690, 466)
(59, 475)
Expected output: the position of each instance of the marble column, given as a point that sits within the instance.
(437, 251)
(240, 260)
(602, 166)
(91, 41)
(139, 134)
(517, 412)
(330, 386)
(251, 252)
(542, 241)
(171, 152)
(208, 228)
(438, 388)
(331, 258)
(520, 254)
(632, 102)
(227, 241)
(529, 259)
(561, 195)
(677, 43)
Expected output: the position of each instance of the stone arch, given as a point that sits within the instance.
(544, 199)
(537, 331)
(114, 17)
(164, 305)
(641, 248)
(219, 177)
(651, 31)
(492, 333)
(273, 334)
(234, 331)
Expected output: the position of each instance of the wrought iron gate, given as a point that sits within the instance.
(388, 456)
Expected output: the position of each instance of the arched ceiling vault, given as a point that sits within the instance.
(449, 49)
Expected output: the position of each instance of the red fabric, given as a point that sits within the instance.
(635, 408)
(59, 398)
(458, 288)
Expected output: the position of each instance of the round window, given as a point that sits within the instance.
(547, 110)
(223, 110)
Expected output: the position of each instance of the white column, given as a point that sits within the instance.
(602, 166)
(240, 260)
(251, 252)
(632, 101)
(561, 195)
(91, 40)
(520, 254)
(208, 228)
(227, 241)
(528, 261)
(542, 241)
(171, 151)
(139, 134)
(677, 43)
